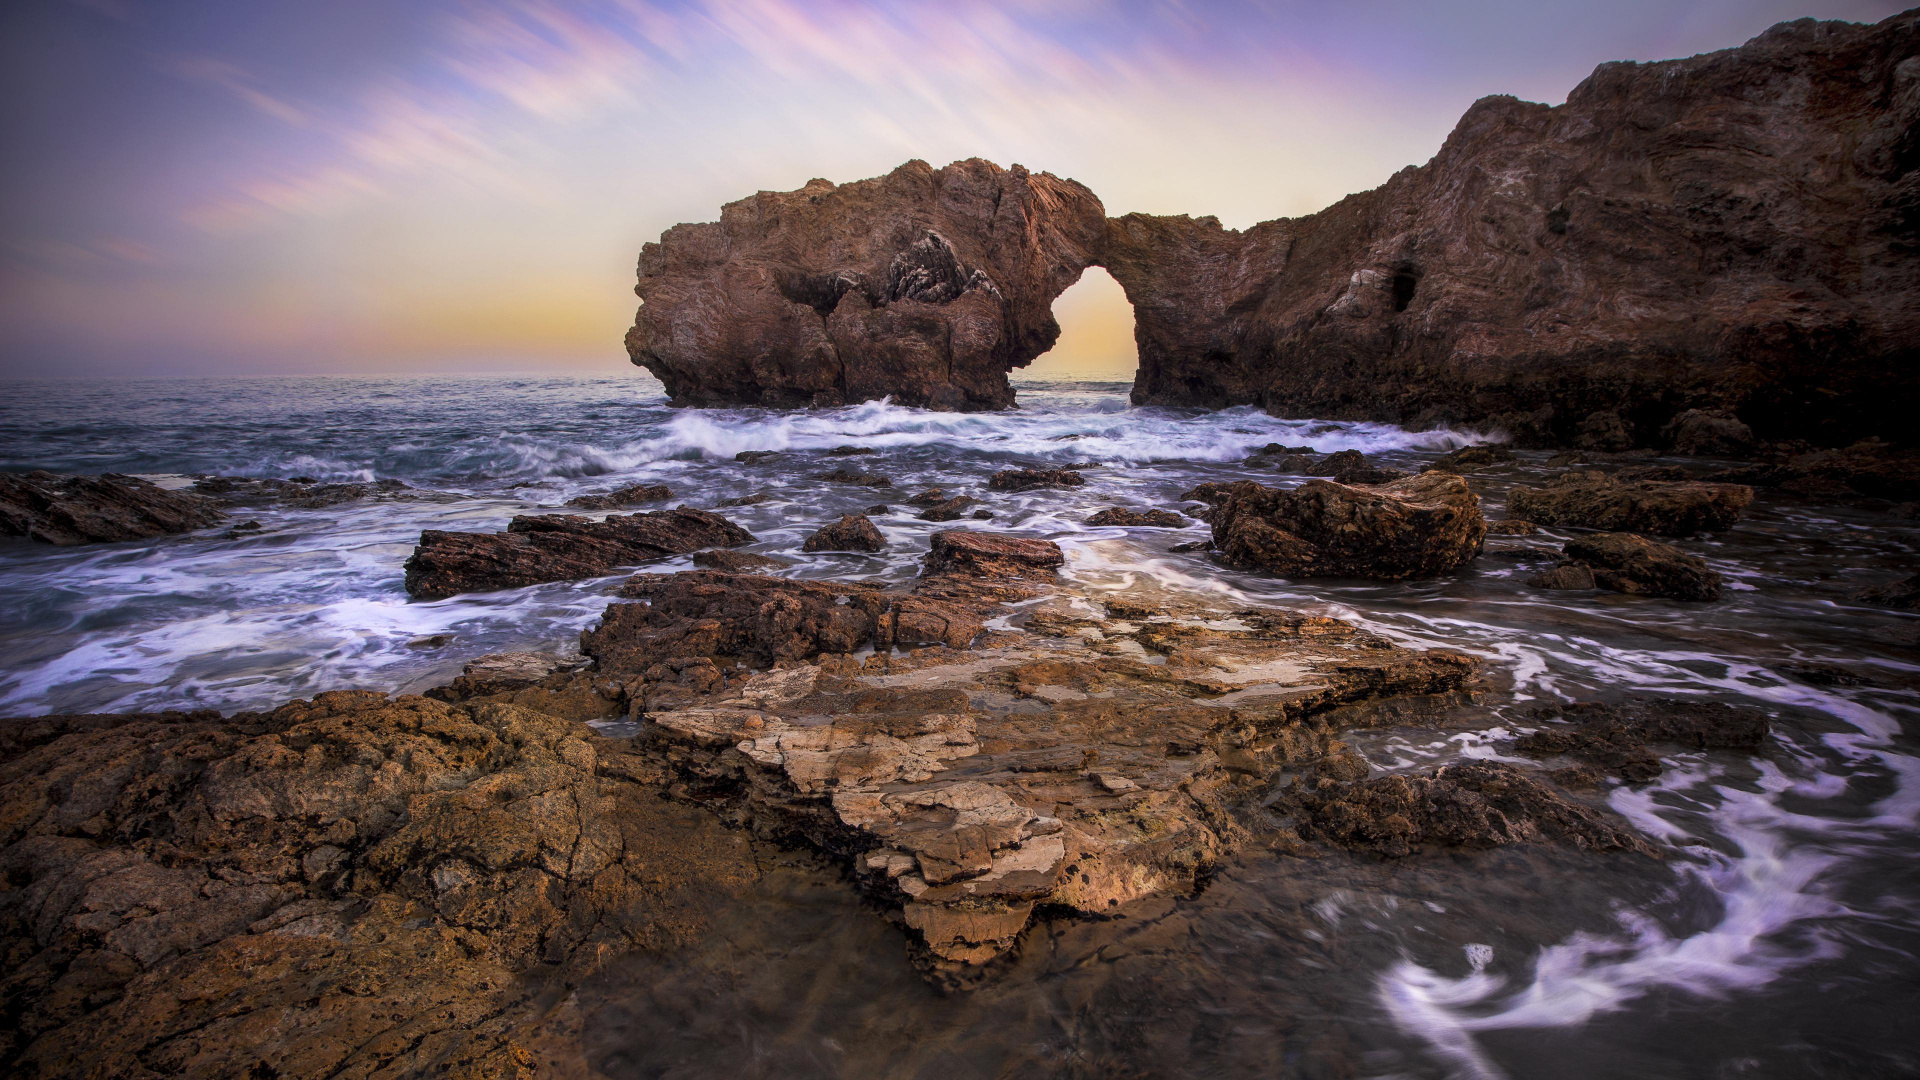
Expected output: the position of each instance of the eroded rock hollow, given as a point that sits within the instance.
(1733, 233)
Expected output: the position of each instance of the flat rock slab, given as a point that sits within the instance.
(559, 547)
(1419, 526)
(57, 508)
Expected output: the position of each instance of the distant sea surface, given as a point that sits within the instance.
(1776, 937)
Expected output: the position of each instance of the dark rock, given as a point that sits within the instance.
(500, 672)
(982, 515)
(1615, 737)
(626, 496)
(1351, 467)
(56, 508)
(754, 457)
(856, 477)
(559, 547)
(1130, 518)
(1613, 304)
(879, 508)
(1633, 564)
(992, 555)
(301, 492)
(1815, 673)
(1029, 479)
(1468, 805)
(929, 497)
(1708, 433)
(1591, 499)
(850, 451)
(1867, 469)
(1565, 577)
(736, 562)
(853, 532)
(1417, 527)
(1511, 527)
(1903, 594)
(754, 499)
(923, 285)
(1192, 545)
(947, 510)
(709, 613)
(1468, 458)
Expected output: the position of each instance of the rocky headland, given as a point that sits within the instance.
(1712, 254)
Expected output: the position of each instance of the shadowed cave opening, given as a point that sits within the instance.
(1096, 335)
(1405, 280)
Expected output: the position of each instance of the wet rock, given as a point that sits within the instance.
(57, 508)
(500, 672)
(431, 641)
(1870, 469)
(1468, 805)
(924, 285)
(1593, 500)
(1029, 479)
(948, 509)
(853, 532)
(711, 613)
(737, 562)
(1615, 738)
(1351, 467)
(1614, 305)
(1417, 527)
(301, 492)
(879, 508)
(1565, 577)
(992, 555)
(1130, 518)
(982, 515)
(754, 499)
(929, 497)
(850, 451)
(1903, 594)
(1815, 673)
(1470, 458)
(1708, 433)
(856, 477)
(754, 457)
(559, 547)
(1511, 527)
(1633, 564)
(345, 886)
(631, 495)
(1192, 545)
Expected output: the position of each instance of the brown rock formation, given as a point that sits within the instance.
(1633, 564)
(1029, 479)
(926, 285)
(853, 532)
(1418, 527)
(54, 508)
(631, 495)
(1593, 500)
(1615, 737)
(1128, 517)
(559, 547)
(1735, 231)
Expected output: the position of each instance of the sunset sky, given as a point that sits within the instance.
(379, 186)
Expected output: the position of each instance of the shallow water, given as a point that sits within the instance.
(1775, 937)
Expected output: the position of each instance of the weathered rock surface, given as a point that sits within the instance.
(1708, 433)
(1633, 564)
(1029, 479)
(1869, 469)
(857, 478)
(947, 509)
(1591, 499)
(1736, 231)
(1615, 737)
(926, 285)
(344, 887)
(559, 547)
(304, 493)
(57, 508)
(1352, 467)
(737, 562)
(1471, 458)
(631, 495)
(853, 532)
(1417, 527)
(1131, 518)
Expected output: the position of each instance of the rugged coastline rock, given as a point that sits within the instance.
(1591, 499)
(1421, 526)
(1633, 564)
(1030, 479)
(925, 285)
(303, 492)
(631, 495)
(1130, 518)
(853, 532)
(63, 509)
(559, 547)
(1734, 232)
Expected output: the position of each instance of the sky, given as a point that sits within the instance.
(243, 187)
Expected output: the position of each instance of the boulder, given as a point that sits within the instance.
(853, 532)
(1633, 564)
(56, 508)
(736, 562)
(1417, 527)
(1566, 577)
(925, 285)
(856, 477)
(559, 547)
(1591, 499)
(632, 495)
(1472, 457)
(947, 509)
(1511, 527)
(1351, 467)
(992, 555)
(1708, 433)
(1029, 479)
(1133, 519)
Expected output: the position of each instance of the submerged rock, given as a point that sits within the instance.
(1633, 564)
(1615, 737)
(856, 477)
(1130, 518)
(737, 562)
(631, 495)
(853, 532)
(1352, 467)
(1417, 527)
(1029, 479)
(1903, 594)
(57, 508)
(303, 492)
(559, 547)
(1472, 457)
(1591, 499)
(947, 509)
(1870, 469)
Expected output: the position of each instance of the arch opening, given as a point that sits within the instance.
(1096, 335)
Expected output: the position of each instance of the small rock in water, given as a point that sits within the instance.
(431, 641)
(853, 532)
(626, 496)
(1030, 479)
(754, 499)
(1511, 527)
(751, 457)
(947, 510)
(736, 562)
(1615, 737)
(850, 451)
(929, 497)
(56, 508)
(845, 475)
(1417, 527)
(1633, 564)
(983, 515)
(1590, 499)
(1129, 518)
(1566, 576)
(1903, 594)
(1351, 467)
(879, 508)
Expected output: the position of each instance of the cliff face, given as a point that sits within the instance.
(925, 284)
(1737, 230)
